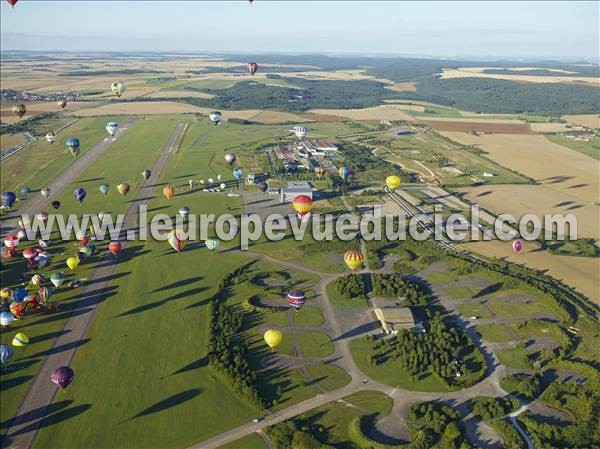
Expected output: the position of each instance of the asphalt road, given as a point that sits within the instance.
(37, 203)
(25, 425)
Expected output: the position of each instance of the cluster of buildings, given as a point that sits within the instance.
(584, 137)
(11, 95)
(306, 155)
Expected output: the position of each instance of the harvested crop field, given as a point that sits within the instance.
(274, 117)
(480, 126)
(553, 127)
(589, 120)
(558, 168)
(462, 72)
(580, 273)
(383, 112)
(178, 94)
(521, 199)
(403, 87)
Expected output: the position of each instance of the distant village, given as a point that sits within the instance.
(11, 95)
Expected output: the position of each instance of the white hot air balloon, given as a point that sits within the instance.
(222, 186)
(50, 137)
(112, 128)
(300, 132)
(215, 117)
(218, 177)
(211, 180)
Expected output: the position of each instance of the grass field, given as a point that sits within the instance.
(10, 140)
(516, 358)
(495, 332)
(591, 148)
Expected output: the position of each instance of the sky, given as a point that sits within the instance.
(526, 30)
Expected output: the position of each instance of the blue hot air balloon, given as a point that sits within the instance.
(237, 173)
(8, 199)
(73, 146)
(20, 294)
(25, 191)
(80, 194)
(6, 352)
(344, 173)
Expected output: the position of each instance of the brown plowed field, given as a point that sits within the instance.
(480, 127)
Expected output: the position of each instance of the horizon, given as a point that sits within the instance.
(457, 30)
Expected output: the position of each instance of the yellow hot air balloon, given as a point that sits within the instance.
(393, 182)
(123, 188)
(72, 262)
(273, 338)
(354, 259)
(169, 191)
(20, 340)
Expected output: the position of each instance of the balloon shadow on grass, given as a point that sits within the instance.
(47, 336)
(153, 305)
(14, 382)
(61, 348)
(165, 404)
(180, 283)
(36, 413)
(196, 364)
(56, 418)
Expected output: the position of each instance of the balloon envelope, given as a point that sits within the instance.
(123, 188)
(6, 318)
(252, 67)
(230, 158)
(176, 240)
(72, 262)
(104, 188)
(62, 376)
(237, 173)
(55, 204)
(6, 352)
(46, 192)
(50, 137)
(8, 199)
(353, 259)
(302, 204)
(20, 339)
(273, 338)
(168, 191)
(393, 182)
(115, 248)
(212, 243)
(517, 245)
(118, 88)
(146, 174)
(80, 194)
(57, 279)
(112, 128)
(215, 117)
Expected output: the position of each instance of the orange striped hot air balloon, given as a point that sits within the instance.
(302, 204)
(354, 259)
(169, 191)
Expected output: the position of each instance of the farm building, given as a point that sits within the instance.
(401, 132)
(392, 316)
(294, 189)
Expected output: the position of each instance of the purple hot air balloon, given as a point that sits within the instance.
(517, 245)
(62, 376)
(8, 198)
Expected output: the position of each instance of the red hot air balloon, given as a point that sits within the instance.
(296, 299)
(62, 376)
(115, 248)
(62, 104)
(517, 246)
(14, 2)
(252, 67)
(29, 253)
(83, 241)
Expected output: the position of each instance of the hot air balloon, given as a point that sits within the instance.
(101, 215)
(115, 248)
(50, 137)
(29, 253)
(55, 204)
(45, 293)
(80, 194)
(184, 211)
(212, 243)
(6, 353)
(237, 173)
(5, 294)
(222, 186)
(73, 146)
(62, 104)
(211, 181)
(20, 340)
(168, 191)
(354, 259)
(25, 191)
(273, 338)
(46, 192)
(215, 117)
(62, 376)
(72, 262)
(319, 171)
(18, 309)
(20, 110)
(296, 299)
(104, 188)
(517, 246)
(42, 217)
(21, 234)
(302, 204)
(300, 132)
(11, 242)
(230, 158)
(112, 128)
(146, 174)
(252, 67)
(86, 251)
(176, 240)
(57, 279)
(6, 319)
(264, 186)
(8, 199)
(20, 294)
(37, 279)
(24, 222)
(219, 177)
(41, 260)
(392, 182)
(123, 188)
(12, 2)
(344, 172)
(118, 88)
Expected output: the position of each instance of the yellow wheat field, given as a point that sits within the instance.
(589, 120)
(470, 73)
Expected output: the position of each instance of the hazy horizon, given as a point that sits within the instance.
(492, 30)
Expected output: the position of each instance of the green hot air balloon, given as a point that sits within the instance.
(212, 243)
(57, 279)
(104, 188)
